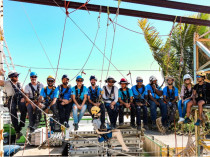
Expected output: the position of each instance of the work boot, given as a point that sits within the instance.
(187, 120)
(198, 123)
(75, 126)
(66, 124)
(18, 135)
(121, 124)
(112, 126)
(181, 120)
(133, 125)
(146, 127)
(103, 126)
(139, 127)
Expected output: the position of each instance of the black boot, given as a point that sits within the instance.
(133, 125)
(76, 126)
(103, 126)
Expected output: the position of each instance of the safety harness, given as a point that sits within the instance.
(187, 92)
(126, 97)
(171, 95)
(61, 95)
(154, 90)
(139, 99)
(109, 95)
(203, 93)
(48, 97)
(35, 93)
(18, 95)
(94, 95)
(78, 94)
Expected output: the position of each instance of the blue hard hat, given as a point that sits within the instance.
(33, 74)
(65, 76)
(79, 77)
(93, 77)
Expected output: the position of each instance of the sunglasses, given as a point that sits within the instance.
(186, 79)
(33, 76)
(111, 82)
(15, 76)
(198, 76)
(79, 80)
(50, 81)
(139, 81)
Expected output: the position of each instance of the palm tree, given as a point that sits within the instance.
(175, 56)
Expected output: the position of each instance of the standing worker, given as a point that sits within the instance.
(32, 91)
(14, 100)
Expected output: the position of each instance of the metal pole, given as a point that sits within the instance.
(194, 57)
(1, 134)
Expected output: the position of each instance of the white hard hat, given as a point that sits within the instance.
(11, 73)
(152, 78)
(187, 76)
(169, 77)
(110, 78)
(139, 78)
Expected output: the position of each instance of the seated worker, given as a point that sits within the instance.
(105, 135)
(186, 97)
(201, 94)
(140, 101)
(125, 95)
(110, 96)
(170, 96)
(32, 91)
(155, 92)
(47, 100)
(79, 96)
(95, 99)
(64, 101)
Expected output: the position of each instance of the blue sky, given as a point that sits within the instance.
(130, 52)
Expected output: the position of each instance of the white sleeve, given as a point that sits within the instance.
(26, 90)
(115, 94)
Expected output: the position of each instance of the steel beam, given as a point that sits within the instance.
(203, 48)
(126, 12)
(173, 5)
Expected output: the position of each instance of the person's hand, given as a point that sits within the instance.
(65, 101)
(2, 72)
(98, 104)
(111, 106)
(33, 106)
(127, 105)
(154, 86)
(182, 101)
(47, 110)
(157, 103)
(22, 100)
(40, 105)
(79, 107)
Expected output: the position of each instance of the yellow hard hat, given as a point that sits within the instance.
(50, 77)
(201, 73)
(95, 110)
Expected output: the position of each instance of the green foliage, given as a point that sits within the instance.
(178, 46)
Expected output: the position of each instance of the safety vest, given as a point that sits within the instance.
(35, 93)
(94, 95)
(61, 93)
(170, 95)
(18, 95)
(126, 97)
(109, 95)
(140, 94)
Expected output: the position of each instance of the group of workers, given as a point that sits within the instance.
(61, 100)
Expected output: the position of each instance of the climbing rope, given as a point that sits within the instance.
(29, 70)
(105, 45)
(113, 40)
(85, 34)
(61, 46)
(81, 70)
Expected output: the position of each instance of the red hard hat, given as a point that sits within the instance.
(123, 80)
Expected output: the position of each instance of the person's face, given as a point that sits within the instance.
(154, 81)
(199, 78)
(50, 83)
(15, 78)
(79, 81)
(33, 79)
(65, 81)
(93, 82)
(187, 81)
(111, 83)
(170, 81)
(123, 85)
(139, 82)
